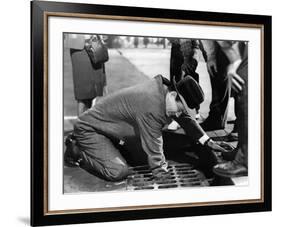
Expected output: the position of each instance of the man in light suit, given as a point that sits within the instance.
(140, 113)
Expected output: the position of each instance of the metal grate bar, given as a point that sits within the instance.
(178, 176)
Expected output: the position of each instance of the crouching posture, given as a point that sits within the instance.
(137, 112)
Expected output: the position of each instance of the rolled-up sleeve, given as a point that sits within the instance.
(152, 141)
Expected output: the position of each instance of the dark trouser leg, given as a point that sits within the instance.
(176, 61)
(242, 115)
(220, 98)
(221, 87)
(195, 76)
(100, 157)
(236, 109)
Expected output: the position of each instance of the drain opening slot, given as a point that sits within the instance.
(168, 186)
(144, 188)
(167, 182)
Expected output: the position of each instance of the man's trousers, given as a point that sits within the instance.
(100, 155)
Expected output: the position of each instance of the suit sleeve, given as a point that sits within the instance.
(152, 142)
(191, 127)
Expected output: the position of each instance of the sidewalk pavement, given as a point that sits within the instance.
(149, 61)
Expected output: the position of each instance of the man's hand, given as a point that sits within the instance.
(189, 66)
(237, 81)
(219, 146)
(159, 173)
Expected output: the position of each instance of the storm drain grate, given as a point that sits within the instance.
(179, 175)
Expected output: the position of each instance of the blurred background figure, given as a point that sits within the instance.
(89, 78)
(183, 62)
(189, 49)
(136, 42)
(145, 41)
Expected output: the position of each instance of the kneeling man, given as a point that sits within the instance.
(140, 111)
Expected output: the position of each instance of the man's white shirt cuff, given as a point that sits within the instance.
(203, 139)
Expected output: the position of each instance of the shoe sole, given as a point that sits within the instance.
(230, 175)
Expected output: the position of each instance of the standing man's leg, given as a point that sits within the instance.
(242, 112)
(239, 167)
(176, 61)
(221, 87)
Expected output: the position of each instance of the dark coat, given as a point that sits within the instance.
(88, 79)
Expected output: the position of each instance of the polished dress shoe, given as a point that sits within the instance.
(230, 169)
(230, 155)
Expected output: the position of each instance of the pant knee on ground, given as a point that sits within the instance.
(108, 171)
(116, 173)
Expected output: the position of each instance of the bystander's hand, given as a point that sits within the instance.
(237, 82)
(189, 66)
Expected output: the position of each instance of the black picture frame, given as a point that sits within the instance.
(40, 11)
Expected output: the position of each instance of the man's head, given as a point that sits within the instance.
(187, 95)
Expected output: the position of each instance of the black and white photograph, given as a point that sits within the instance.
(142, 113)
(153, 113)
(121, 113)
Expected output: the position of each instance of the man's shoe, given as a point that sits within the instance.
(211, 125)
(229, 156)
(230, 170)
(72, 155)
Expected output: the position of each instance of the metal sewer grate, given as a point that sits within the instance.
(178, 176)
